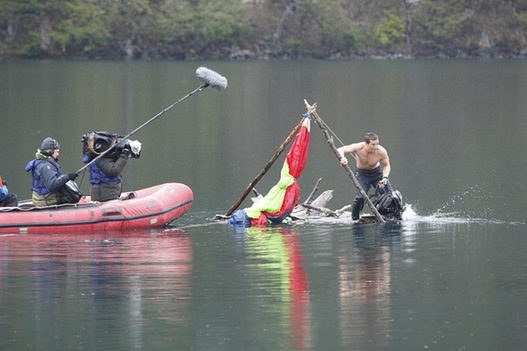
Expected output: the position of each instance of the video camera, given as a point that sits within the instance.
(95, 143)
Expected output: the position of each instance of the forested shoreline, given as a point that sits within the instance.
(262, 29)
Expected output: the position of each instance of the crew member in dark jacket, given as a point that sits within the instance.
(107, 155)
(47, 175)
(105, 175)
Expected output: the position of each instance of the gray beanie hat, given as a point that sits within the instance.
(49, 144)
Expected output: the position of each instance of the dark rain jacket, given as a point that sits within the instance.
(105, 177)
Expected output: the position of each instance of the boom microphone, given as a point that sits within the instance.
(209, 77)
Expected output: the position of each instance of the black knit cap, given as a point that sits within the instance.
(49, 144)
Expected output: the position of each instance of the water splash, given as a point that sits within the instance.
(410, 215)
(471, 204)
(442, 217)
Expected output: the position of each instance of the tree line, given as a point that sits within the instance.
(261, 29)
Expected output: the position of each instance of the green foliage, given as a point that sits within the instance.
(223, 23)
(391, 29)
(83, 31)
(441, 24)
(183, 29)
(202, 28)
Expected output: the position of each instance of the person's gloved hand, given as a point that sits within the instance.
(135, 146)
(72, 176)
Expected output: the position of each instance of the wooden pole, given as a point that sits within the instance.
(312, 110)
(315, 188)
(264, 170)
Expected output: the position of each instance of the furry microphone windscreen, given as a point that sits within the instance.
(211, 78)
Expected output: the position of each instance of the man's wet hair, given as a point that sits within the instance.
(370, 136)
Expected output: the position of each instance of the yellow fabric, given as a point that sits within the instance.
(272, 202)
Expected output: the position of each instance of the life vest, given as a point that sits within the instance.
(97, 176)
(94, 144)
(37, 184)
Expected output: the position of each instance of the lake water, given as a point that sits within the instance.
(451, 276)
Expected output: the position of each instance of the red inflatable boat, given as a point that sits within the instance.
(146, 208)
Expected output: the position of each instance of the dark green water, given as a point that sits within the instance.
(452, 276)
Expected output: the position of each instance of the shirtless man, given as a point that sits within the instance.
(373, 167)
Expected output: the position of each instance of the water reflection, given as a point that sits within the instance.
(95, 281)
(365, 285)
(275, 266)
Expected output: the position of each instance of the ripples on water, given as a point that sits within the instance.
(92, 286)
(291, 287)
